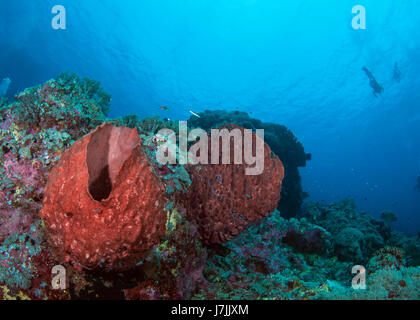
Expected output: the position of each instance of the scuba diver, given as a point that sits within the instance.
(397, 73)
(377, 88)
(417, 187)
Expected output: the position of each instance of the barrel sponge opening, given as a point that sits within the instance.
(108, 149)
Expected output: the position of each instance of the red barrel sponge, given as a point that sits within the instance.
(103, 204)
(224, 200)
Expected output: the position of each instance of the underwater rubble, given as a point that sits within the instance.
(166, 252)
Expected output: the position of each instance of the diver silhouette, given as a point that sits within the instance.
(377, 88)
(397, 75)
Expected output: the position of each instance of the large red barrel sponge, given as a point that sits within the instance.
(224, 200)
(104, 205)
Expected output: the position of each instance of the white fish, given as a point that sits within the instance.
(4, 85)
(193, 113)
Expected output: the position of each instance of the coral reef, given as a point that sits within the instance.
(314, 239)
(64, 104)
(355, 235)
(262, 263)
(88, 88)
(387, 258)
(58, 149)
(384, 284)
(259, 264)
(174, 269)
(25, 267)
(16, 269)
(34, 131)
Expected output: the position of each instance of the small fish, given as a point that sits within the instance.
(164, 108)
(193, 113)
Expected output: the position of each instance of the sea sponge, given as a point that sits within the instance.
(104, 205)
(224, 201)
(282, 142)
